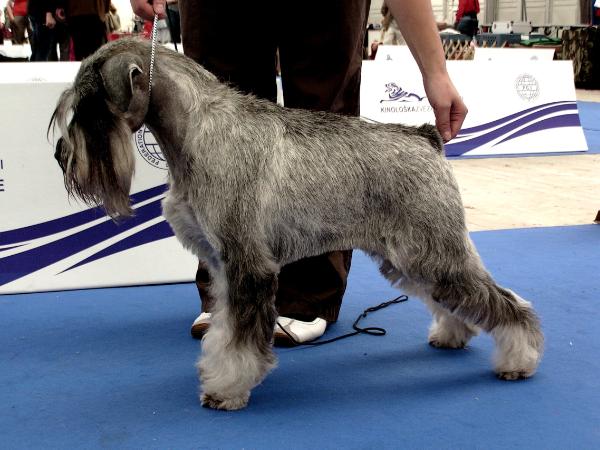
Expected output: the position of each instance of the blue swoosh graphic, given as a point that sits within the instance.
(509, 132)
(485, 126)
(19, 265)
(65, 223)
(10, 248)
(567, 120)
(156, 232)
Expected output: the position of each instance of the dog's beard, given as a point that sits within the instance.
(95, 154)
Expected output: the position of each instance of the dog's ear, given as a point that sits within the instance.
(126, 85)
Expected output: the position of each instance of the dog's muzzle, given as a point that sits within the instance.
(59, 154)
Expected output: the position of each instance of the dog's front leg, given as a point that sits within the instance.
(237, 350)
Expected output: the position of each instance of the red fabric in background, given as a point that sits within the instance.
(20, 8)
(466, 6)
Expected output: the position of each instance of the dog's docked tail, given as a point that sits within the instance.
(432, 134)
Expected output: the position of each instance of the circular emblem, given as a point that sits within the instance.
(527, 87)
(149, 149)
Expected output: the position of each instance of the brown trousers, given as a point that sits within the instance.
(320, 51)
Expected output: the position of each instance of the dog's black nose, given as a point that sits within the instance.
(58, 154)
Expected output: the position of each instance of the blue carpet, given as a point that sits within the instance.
(589, 114)
(113, 368)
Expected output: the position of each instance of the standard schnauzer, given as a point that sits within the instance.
(254, 186)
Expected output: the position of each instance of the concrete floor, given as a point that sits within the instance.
(501, 193)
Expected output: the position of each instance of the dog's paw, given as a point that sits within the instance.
(519, 352)
(515, 374)
(518, 369)
(438, 342)
(228, 404)
(450, 333)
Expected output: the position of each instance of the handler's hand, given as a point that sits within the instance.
(449, 109)
(146, 10)
(50, 22)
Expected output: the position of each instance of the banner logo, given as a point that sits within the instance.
(147, 146)
(527, 87)
(400, 101)
(397, 94)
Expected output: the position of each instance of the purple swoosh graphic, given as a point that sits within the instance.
(10, 248)
(485, 126)
(22, 264)
(459, 148)
(71, 221)
(156, 232)
(567, 120)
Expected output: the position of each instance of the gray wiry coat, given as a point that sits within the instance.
(254, 186)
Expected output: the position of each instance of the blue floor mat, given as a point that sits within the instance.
(589, 114)
(113, 368)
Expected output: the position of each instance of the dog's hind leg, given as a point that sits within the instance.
(446, 330)
(236, 350)
(474, 297)
(446, 271)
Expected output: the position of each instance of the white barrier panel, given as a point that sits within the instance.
(50, 243)
(15, 51)
(393, 53)
(513, 55)
(528, 107)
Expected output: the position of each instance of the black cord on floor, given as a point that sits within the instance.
(373, 331)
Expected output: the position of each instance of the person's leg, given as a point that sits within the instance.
(88, 33)
(246, 58)
(52, 52)
(468, 26)
(320, 67)
(77, 31)
(321, 54)
(42, 40)
(32, 29)
(19, 25)
(63, 39)
(314, 287)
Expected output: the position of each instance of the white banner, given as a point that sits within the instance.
(393, 53)
(48, 242)
(529, 107)
(513, 55)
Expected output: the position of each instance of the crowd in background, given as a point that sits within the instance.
(465, 22)
(70, 30)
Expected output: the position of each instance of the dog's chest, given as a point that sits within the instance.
(190, 231)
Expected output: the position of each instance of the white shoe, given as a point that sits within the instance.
(299, 330)
(200, 325)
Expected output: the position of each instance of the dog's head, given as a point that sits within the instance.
(96, 116)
